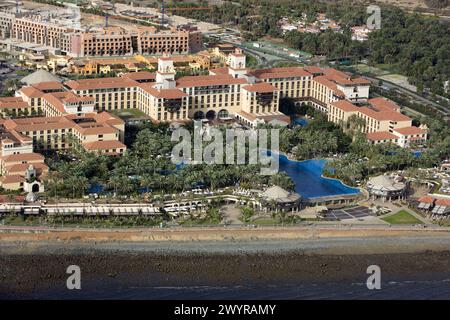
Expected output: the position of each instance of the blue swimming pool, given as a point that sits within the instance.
(309, 183)
(300, 122)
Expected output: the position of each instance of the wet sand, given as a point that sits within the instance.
(30, 268)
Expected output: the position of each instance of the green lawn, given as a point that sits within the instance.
(129, 113)
(402, 217)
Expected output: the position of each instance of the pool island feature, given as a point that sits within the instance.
(312, 186)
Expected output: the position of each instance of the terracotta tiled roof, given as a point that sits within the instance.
(260, 87)
(211, 80)
(23, 157)
(381, 135)
(443, 202)
(288, 72)
(10, 99)
(40, 167)
(141, 75)
(383, 104)
(17, 102)
(52, 85)
(15, 178)
(314, 69)
(165, 59)
(266, 117)
(54, 101)
(105, 117)
(345, 105)
(426, 199)
(104, 145)
(31, 92)
(323, 80)
(410, 130)
(219, 71)
(384, 115)
(39, 123)
(94, 128)
(164, 93)
(101, 83)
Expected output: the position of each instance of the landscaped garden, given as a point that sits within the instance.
(402, 217)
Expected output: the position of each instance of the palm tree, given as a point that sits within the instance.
(159, 180)
(82, 184)
(114, 181)
(146, 181)
(355, 124)
(71, 182)
(52, 182)
(125, 186)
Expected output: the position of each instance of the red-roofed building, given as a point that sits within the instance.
(441, 207)
(52, 132)
(383, 121)
(381, 137)
(411, 136)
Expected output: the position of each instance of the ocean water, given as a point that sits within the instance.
(309, 183)
(406, 289)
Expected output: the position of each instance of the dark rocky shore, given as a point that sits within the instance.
(22, 275)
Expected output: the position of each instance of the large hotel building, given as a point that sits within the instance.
(17, 30)
(81, 108)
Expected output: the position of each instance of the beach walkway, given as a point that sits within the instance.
(231, 214)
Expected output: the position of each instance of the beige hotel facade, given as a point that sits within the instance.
(251, 96)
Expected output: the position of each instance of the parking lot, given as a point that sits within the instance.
(350, 213)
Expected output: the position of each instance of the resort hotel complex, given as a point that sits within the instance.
(53, 115)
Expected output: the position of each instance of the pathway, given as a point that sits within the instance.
(231, 214)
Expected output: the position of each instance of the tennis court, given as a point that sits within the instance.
(347, 214)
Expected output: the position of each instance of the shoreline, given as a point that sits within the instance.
(222, 264)
(189, 270)
(219, 234)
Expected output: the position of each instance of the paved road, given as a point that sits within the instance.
(390, 85)
(269, 59)
(302, 226)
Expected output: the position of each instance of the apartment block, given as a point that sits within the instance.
(35, 30)
(6, 21)
(108, 41)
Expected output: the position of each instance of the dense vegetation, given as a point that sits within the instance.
(364, 160)
(415, 46)
(320, 138)
(148, 166)
(358, 159)
(411, 44)
(438, 4)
